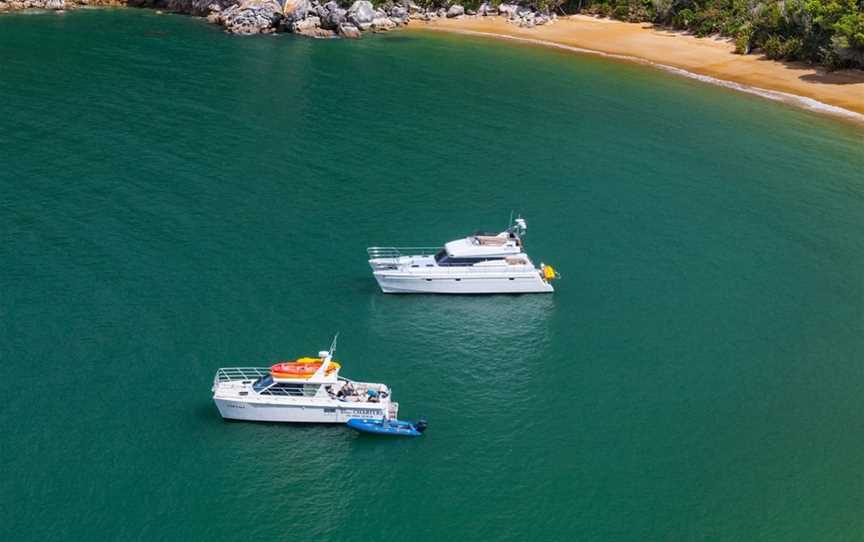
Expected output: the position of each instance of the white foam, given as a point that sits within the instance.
(776, 95)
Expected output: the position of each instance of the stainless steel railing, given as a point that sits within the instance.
(228, 374)
(397, 252)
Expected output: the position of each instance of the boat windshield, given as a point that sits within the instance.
(440, 255)
(262, 383)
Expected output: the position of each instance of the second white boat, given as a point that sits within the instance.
(477, 264)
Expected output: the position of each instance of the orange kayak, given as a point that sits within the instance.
(300, 368)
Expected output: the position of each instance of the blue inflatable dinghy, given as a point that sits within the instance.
(396, 428)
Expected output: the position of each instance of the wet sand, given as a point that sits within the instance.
(839, 93)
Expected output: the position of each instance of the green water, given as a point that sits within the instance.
(175, 200)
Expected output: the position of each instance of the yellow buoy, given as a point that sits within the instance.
(549, 272)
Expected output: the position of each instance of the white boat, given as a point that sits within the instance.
(477, 264)
(304, 390)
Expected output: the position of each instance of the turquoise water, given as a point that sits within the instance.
(175, 200)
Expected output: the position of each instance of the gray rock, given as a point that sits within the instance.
(311, 27)
(304, 25)
(361, 14)
(399, 15)
(251, 17)
(55, 4)
(296, 10)
(331, 15)
(348, 30)
(507, 9)
(381, 24)
(455, 11)
(485, 10)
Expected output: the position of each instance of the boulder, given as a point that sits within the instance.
(311, 27)
(251, 17)
(331, 15)
(455, 11)
(382, 24)
(296, 10)
(361, 14)
(399, 15)
(507, 10)
(485, 10)
(348, 30)
(305, 25)
(55, 4)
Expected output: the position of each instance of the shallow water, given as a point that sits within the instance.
(176, 200)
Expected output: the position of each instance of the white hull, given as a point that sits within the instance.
(329, 412)
(394, 282)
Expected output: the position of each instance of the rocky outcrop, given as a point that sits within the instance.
(348, 30)
(455, 11)
(307, 17)
(296, 10)
(311, 27)
(507, 10)
(361, 14)
(251, 17)
(331, 15)
(381, 24)
(398, 14)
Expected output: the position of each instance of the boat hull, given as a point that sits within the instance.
(406, 283)
(232, 409)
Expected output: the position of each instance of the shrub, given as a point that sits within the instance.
(742, 43)
(683, 18)
(773, 47)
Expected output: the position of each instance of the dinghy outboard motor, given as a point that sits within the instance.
(421, 425)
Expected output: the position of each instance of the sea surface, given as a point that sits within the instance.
(174, 200)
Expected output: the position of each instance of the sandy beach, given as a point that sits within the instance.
(839, 93)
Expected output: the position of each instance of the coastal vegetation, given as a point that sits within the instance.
(827, 32)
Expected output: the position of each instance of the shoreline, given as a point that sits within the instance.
(710, 60)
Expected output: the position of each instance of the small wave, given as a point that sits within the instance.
(776, 95)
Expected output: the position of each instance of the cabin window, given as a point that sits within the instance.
(292, 389)
(450, 261)
(262, 383)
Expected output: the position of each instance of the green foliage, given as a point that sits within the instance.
(743, 39)
(778, 48)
